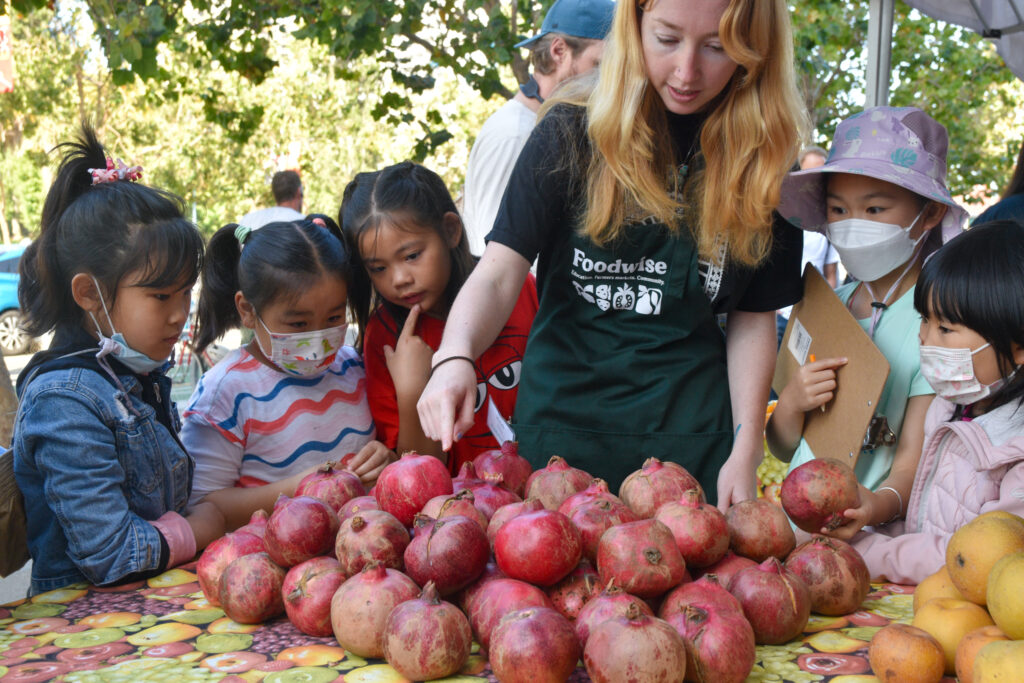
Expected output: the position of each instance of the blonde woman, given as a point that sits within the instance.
(648, 197)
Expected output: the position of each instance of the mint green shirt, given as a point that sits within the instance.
(896, 336)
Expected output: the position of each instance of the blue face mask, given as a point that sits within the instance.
(116, 346)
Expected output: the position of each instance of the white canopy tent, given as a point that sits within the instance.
(1002, 21)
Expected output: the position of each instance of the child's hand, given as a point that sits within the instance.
(409, 361)
(369, 461)
(856, 518)
(813, 385)
(207, 522)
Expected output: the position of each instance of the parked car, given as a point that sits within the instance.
(13, 339)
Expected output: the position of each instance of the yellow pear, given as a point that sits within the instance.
(975, 548)
(938, 585)
(1006, 595)
(1000, 662)
(948, 620)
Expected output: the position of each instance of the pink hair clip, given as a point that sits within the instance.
(112, 173)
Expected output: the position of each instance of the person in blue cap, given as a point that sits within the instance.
(569, 43)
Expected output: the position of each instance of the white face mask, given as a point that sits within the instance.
(303, 354)
(116, 345)
(951, 374)
(870, 249)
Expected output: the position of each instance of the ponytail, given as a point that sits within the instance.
(216, 311)
(108, 230)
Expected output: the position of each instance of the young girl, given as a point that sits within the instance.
(648, 197)
(412, 256)
(971, 299)
(878, 198)
(293, 397)
(96, 452)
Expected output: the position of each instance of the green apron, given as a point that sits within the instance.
(625, 360)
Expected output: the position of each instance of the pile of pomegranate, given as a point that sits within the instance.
(652, 584)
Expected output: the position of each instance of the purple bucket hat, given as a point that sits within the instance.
(900, 145)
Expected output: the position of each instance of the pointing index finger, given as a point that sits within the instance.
(408, 329)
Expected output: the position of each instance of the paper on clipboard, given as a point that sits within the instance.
(820, 324)
(500, 428)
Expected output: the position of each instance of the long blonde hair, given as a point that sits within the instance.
(749, 140)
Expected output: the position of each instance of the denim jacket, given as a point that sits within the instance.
(96, 464)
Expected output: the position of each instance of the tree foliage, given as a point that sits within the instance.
(209, 95)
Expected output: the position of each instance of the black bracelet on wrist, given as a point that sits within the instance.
(445, 360)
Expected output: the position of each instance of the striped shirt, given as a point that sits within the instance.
(246, 421)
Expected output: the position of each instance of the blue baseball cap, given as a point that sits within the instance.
(578, 18)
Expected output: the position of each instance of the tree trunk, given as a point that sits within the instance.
(8, 404)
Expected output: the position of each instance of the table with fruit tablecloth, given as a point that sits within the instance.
(164, 630)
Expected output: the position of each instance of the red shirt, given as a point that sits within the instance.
(497, 371)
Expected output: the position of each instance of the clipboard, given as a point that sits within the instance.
(820, 324)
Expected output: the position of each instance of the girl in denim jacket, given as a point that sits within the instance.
(96, 453)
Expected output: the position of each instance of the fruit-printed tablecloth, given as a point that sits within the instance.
(164, 630)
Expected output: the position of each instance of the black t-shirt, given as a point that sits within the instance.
(545, 196)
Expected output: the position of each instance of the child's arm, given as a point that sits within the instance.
(238, 504)
(207, 522)
(883, 505)
(84, 485)
(812, 386)
(409, 366)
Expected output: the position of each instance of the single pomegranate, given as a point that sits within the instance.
(556, 482)
(575, 590)
(597, 490)
(466, 479)
(427, 638)
(727, 567)
(775, 601)
(538, 547)
(704, 592)
(507, 512)
(758, 529)
(495, 599)
(655, 484)
(816, 494)
(700, 530)
(490, 572)
(218, 555)
(361, 605)
(250, 589)
(405, 485)
(307, 590)
(257, 524)
(595, 516)
(449, 552)
(368, 536)
(357, 504)
(610, 602)
(720, 645)
(835, 574)
(642, 557)
(333, 486)
(635, 647)
(462, 503)
(506, 461)
(299, 529)
(492, 495)
(534, 645)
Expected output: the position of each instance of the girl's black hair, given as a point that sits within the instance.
(276, 262)
(405, 192)
(977, 280)
(108, 230)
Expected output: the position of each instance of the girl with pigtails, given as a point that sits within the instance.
(96, 451)
(294, 397)
(648, 196)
